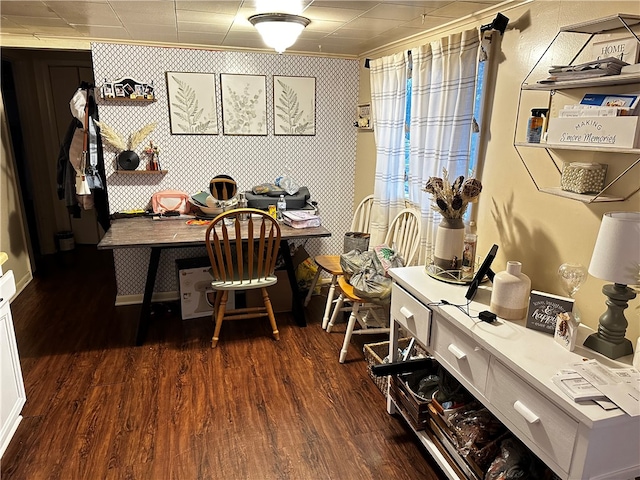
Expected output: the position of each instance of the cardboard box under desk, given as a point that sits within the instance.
(196, 294)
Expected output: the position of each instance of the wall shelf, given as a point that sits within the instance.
(585, 33)
(129, 99)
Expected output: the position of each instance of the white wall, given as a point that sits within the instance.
(540, 230)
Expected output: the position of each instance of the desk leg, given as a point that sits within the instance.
(296, 302)
(145, 312)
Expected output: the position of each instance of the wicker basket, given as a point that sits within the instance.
(374, 353)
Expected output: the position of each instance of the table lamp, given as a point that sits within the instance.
(616, 258)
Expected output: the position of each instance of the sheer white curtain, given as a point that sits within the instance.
(442, 99)
(388, 101)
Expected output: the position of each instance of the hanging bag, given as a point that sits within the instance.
(83, 191)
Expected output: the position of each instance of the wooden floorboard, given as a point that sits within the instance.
(99, 407)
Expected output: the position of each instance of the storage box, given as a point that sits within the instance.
(620, 132)
(196, 294)
(415, 408)
(374, 354)
(581, 177)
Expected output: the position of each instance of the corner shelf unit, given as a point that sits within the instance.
(590, 30)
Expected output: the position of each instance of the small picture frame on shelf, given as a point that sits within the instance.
(107, 90)
(119, 90)
(544, 309)
(363, 117)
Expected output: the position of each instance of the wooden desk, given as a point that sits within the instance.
(175, 233)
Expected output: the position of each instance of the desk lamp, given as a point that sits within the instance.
(616, 258)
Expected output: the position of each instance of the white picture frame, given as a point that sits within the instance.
(192, 103)
(244, 104)
(294, 105)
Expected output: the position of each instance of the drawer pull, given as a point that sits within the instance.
(459, 354)
(527, 414)
(406, 313)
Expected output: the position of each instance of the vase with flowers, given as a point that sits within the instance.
(451, 200)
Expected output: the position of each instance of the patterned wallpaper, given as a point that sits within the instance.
(324, 162)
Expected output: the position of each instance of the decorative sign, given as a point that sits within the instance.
(544, 308)
(363, 121)
(625, 49)
(594, 131)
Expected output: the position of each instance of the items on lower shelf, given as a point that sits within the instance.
(466, 432)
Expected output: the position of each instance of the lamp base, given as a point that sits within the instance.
(608, 349)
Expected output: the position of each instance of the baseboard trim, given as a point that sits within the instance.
(122, 300)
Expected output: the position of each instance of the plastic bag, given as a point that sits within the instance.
(388, 258)
(372, 285)
(287, 183)
(354, 260)
(516, 462)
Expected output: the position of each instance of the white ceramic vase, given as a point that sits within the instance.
(510, 293)
(449, 244)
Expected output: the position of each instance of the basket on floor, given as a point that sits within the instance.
(374, 353)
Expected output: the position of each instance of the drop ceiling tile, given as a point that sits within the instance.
(134, 12)
(204, 28)
(35, 9)
(56, 31)
(357, 5)
(332, 14)
(85, 13)
(201, 38)
(395, 12)
(227, 7)
(426, 23)
(204, 17)
(374, 25)
(7, 26)
(459, 9)
(324, 26)
(106, 32)
(37, 22)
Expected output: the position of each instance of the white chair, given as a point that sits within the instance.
(331, 263)
(404, 236)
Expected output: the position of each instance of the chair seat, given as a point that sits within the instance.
(244, 284)
(348, 292)
(329, 263)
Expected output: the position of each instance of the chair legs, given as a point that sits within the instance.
(349, 332)
(336, 310)
(272, 318)
(220, 310)
(327, 307)
(218, 315)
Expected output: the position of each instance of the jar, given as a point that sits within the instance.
(510, 293)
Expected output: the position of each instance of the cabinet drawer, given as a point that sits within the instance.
(7, 287)
(460, 353)
(548, 427)
(411, 314)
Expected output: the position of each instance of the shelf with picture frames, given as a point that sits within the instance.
(583, 40)
(142, 172)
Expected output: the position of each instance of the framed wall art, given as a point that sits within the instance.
(244, 104)
(363, 121)
(192, 103)
(294, 105)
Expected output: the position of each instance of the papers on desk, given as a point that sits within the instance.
(300, 219)
(591, 380)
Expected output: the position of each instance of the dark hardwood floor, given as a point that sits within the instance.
(99, 407)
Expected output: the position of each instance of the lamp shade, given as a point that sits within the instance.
(616, 255)
(279, 30)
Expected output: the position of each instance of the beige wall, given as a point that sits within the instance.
(12, 227)
(540, 230)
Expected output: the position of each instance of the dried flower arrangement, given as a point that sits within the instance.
(451, 200)
(115, 139)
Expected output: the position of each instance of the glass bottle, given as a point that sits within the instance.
(281, 206)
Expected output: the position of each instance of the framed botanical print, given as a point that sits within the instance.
(192, 103)
(244, 104)
(294, 105)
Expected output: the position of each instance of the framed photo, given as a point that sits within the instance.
(294, 105)
(244, 104)
(363, 117)
(119, 90)
(192, 103)
(107, 90)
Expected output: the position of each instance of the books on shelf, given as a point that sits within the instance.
(596, 68)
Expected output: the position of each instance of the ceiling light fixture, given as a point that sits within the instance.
(279, 30)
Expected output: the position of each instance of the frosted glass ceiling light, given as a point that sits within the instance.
(279, 30)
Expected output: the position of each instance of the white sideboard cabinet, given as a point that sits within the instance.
(12, 394)
(508, 368)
